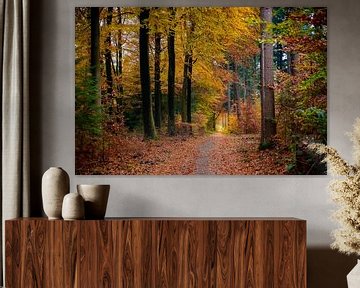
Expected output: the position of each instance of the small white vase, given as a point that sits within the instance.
(73, 207)
(353, 278)
(96, 198)
(55, 185)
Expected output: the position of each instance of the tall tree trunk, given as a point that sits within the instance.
(148, 119)
(245, 84)
(189, 74)
(157, 80)
(229, 88)
(108, 58)
(237, 92)
(171, 74)
(95, 49)
(119, 54)
(188, 88)
(184, 88)
(246, 100)
(268, 124)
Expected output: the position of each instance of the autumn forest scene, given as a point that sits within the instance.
(200, 90)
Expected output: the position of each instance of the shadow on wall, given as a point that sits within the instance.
(328, 268)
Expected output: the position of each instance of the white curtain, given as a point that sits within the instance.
(14, 37)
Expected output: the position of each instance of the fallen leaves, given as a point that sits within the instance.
(239, 155)
(131, 155)
(218, 154)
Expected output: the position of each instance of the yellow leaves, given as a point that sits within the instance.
(160, 20)
(210, 34)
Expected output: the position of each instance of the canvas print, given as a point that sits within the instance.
(200, 90)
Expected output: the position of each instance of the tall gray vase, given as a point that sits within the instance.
(55, 185)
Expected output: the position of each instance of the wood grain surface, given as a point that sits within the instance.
(241, 253)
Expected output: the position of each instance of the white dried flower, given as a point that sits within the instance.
(345, 191)
(355, 138)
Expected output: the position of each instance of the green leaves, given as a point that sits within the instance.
(88, 114)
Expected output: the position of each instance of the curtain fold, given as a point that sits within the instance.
(14, 83)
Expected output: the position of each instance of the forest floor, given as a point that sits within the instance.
(218, 153)
(238, 155)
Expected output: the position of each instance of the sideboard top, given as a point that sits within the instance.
(174, 219)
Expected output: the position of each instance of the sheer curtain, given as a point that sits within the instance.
(14, 37)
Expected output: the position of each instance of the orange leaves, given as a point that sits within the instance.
(225, 155)
(239, 155)
(305, 31)
(130, 155)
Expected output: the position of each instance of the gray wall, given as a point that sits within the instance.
(52, 124)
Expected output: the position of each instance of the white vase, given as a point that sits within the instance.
(73, 207)
(353, 278)
(55, 185)
(95, 197)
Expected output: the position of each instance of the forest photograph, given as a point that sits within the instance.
(200, 90)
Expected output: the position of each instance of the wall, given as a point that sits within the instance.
(52, 124)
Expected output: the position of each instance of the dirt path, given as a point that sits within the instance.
(205, 151)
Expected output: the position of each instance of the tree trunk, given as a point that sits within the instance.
(229, 88)
(246, 100)
(188, 88)
(189, 74)
(237, 92)
(108, 58)
(268, 124)
(279, 56)
(119, 54)
(171, 74)
(95, 49)
(148, 119)
(157, 80)
(291, 60)
(184, 88)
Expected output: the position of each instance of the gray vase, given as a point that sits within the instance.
(73, 207)
(55, 185)
(96, 198)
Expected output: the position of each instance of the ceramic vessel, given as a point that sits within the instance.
(96, 198)
(73, 207)
(55, 185)
(353, 278)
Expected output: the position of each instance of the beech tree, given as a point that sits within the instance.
(119, 52)
(171, 73)
(108, 56)
(190, 60)
(157, 75)
(186, 100)
(95, 49)
(148, 119)
(268, 124)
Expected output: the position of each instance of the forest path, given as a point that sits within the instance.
(205, 149)
(217, 153)
(225, 154)
(234, 154)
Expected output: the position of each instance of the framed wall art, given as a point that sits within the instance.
(200, 90)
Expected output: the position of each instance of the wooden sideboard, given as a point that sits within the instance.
(156, 252)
